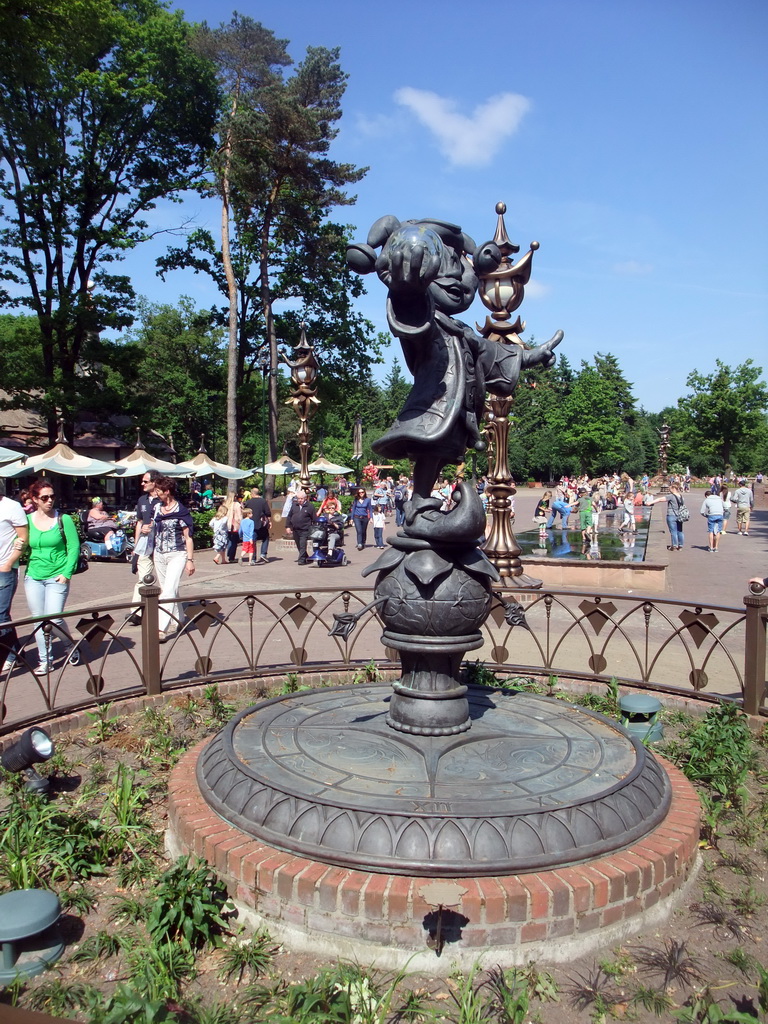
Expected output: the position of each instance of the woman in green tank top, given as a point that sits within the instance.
(54, 550)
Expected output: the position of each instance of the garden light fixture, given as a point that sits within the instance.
(32, 747)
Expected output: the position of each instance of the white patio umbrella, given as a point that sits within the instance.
(63, 460)
(8, 455)
(282, 466)
(204, 465)
(139, 461)
(322, 465)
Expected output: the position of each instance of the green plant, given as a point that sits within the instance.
(703, 1008)
(623, 964)
(526, 684)
(552, 686)
(321, 999)
(467, 993)
(158, 970)
(762, 987)
(714, 812)
(221, 712)
(739, 959)
(127, 1005)
(196, 1012)
(254, 955)
(509, 995)
(477, 673)
(41, 843)
(130, 908)
(651, 999)
(748, 901)
(188, 903)
(606, 703)
(715, 890)
(58, 998)
(80, 898)
(99, 947)
(163, 750)
(290, 683)
(541, 984)
(203, 534)
(738, 865)
(127, 799)
(719, 753)
(676, 717)
(747, 827)
(155, 720)
(372, 672)
(104, 723)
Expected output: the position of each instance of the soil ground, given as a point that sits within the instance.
(711, 943)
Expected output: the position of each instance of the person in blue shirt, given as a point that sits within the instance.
(361, 513)
(247, 530)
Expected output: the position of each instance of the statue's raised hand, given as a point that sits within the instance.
(411, 258)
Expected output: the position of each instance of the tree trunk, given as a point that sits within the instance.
(266, 305)
(233, 433)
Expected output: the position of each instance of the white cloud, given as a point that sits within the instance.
(466, 141)
(633, 269)
(380, 126)
(536, 290)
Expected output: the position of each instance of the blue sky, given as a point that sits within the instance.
(628, 137)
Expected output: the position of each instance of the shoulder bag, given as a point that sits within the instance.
(82, 561)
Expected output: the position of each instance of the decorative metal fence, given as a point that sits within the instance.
(700, 651)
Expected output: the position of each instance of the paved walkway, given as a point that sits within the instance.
(693, 575)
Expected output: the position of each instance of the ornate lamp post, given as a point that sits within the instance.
(663, 456)
(502, 291)
(303, 367)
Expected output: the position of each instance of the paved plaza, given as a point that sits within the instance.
(693, 574)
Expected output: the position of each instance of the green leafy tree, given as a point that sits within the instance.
(104, 110)
(724, 409)
(592, 432)
(278, 186)
(177, 384)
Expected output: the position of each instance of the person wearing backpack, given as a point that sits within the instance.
(400, 496)
(677, 514)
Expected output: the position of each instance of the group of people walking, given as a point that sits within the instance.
(247, 520)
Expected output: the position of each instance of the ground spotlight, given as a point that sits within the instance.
(32, 747)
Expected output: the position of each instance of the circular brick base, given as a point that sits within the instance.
(557, 915)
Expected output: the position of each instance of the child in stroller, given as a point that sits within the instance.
(327, 537)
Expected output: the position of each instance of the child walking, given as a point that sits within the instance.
(218, 524)
(247, 530)
(585, 513)
(379, 519)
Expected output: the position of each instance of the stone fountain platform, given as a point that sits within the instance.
(541, 831)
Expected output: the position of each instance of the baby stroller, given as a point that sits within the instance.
(121, 541)
(327, 537)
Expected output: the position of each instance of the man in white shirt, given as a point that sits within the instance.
(14, 533)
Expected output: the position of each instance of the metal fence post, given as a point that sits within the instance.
(150, 638)
(754, 652)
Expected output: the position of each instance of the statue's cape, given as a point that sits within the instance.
(439, 416)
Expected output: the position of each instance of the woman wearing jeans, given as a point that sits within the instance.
(173, 553)
(361, 513)
(674, 502)
(54, 551)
